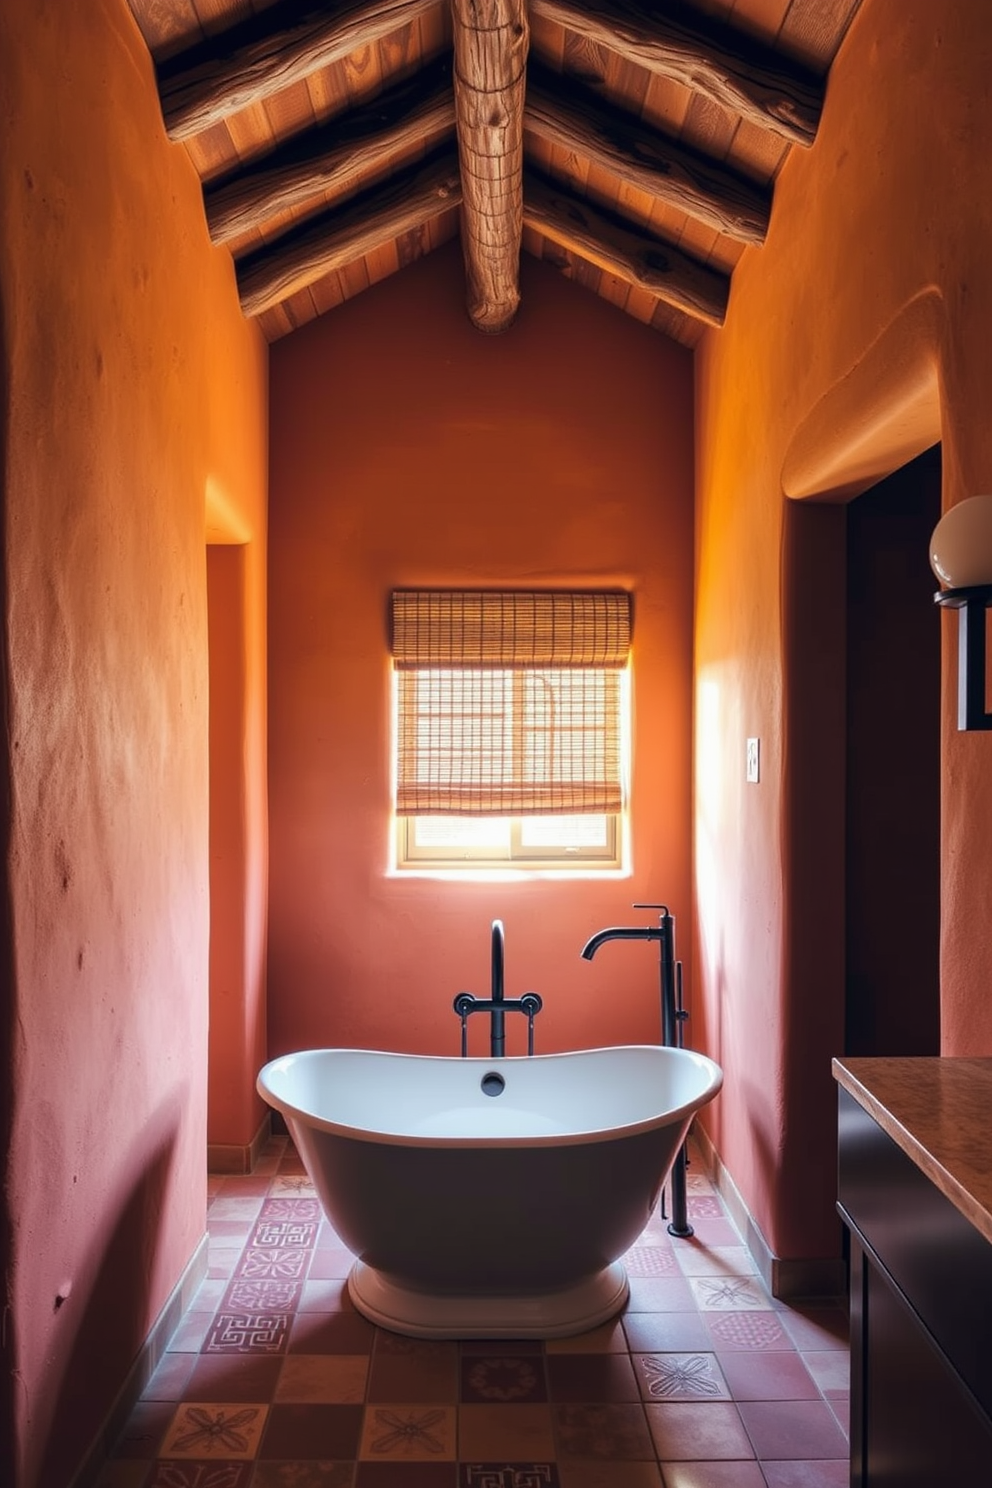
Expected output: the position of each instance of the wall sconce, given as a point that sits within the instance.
(961, 557)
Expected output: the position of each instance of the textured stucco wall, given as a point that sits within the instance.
(131, 386)
(857, 336)
(409, 450)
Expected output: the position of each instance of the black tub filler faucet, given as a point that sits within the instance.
(672, 1017)
(496, 1005)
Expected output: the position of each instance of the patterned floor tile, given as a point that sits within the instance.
(702, 1205)
(207, 1432)
(200, 1475)
(409, 1433)
(503, 1378)
(292, 1185)
(293, 1209)
(280, 1263)
(248, 1333)
(691, 1431)
(651, 1260)
(591, 1378)
(745, 1330)
(603, 1433)
(267, 1295)
(728, 1293)
(333, 1379)
(508, 1475)
(285, 1234)
(680, 1377)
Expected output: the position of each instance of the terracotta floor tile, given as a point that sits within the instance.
(604, 1433)
(209, 1432)
(672, 1376)
(249, 1377)
(794, 1430)
(768, 1375)
(227, 1231)
(191, 1332)
(659, 1294)
(698, 1259)
(331, 1333)
(406, 1475)
(689, 1431)
(644, 1260)
(284, 1234)
(294, 1209)
(492, 1347)
(807, 1474)
(329, 1379)
(715, 1231)
(292, 1185)
(169, 1379)
(304, 1432)
(592, 1378)
(608, 1338)
(410, 1432)
(145, 1429)
(831, 1368)
(729, 1294)
(816, 1327)
(502, 1379)
(264, 1295)
(245, 1186)
(296, 1474)
(609, 1475)
(424, 1378)
(277, 1262)
(516, 1433)
(702, 1204)
(123, 1473)
(745, 1330)
(330, 1263)
(207, 1474)
(713, 1475)
(663, 1332)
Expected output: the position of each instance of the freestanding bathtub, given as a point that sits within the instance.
(489, 1198)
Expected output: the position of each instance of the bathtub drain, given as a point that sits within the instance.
(493, 1084)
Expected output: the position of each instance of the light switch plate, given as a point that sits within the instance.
(753, 761)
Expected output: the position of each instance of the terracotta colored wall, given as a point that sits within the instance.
(238, 839)
(409, 450)
(860, 334)
(131, 384)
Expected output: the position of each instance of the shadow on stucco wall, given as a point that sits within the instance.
(7, 1339)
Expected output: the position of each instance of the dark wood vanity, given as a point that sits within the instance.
(915, 1191)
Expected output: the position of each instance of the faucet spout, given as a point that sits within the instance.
(497, 1016)
(621, 932)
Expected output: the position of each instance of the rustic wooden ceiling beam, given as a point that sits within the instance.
(336, 157)
(629, 252)
(341, 235)
(248, 64)
(491, 39)
(560, 113)
(723, 64)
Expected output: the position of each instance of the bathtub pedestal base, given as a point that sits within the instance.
(418, 1314)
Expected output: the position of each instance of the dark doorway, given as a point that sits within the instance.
(893, 767)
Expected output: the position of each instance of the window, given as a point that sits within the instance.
(509, 727)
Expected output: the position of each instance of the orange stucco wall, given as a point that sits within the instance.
(131, 388)
(859, 335)
(407, 450)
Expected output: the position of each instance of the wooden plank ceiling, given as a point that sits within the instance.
(631, 144)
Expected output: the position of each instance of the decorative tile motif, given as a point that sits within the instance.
(280, 1263)
(502, 1379)
(509, 1475)
(602, 1432)
(651, 1260)
(246, 1294)
(728, 1293)
(292, 1185)
(703, 1206)
(273, 1234)
(747, 1330)
(200, 1475)
(681, 1377)
(248, 1333)
(412, 1432)
(211, 1431)
(295, 1209)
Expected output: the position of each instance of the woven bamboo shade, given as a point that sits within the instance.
(509, 702)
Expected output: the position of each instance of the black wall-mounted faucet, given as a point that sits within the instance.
(496, 1004)
(672, 1018)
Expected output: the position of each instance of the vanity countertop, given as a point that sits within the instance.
(939, 1111)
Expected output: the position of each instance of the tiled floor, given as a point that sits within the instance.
(273, 1380)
